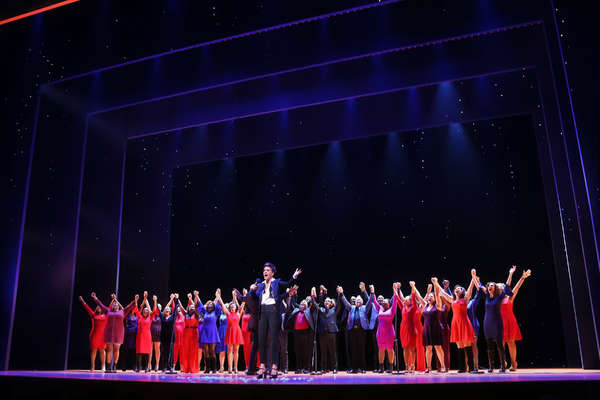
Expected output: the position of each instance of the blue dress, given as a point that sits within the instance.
(492, 322)
(221, 346)
(472, 311)
(210, 332)
(131, 328)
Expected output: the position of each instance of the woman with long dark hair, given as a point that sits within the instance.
(492, 322)
(432, 326)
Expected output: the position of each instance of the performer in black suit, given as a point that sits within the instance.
(267, 295)
(328, 330)
(358, 325)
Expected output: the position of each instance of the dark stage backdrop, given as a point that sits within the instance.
(395, 207)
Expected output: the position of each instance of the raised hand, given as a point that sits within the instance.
(137, 297)
(154, 298)
(313, 291)
(339, 289)
(323, 289)
(526, 274)
(145, 295)
(176, 295)
(361, 286)
(244, 292)
(298, 272)
(512, 269)
(93, 295)
(372, 288)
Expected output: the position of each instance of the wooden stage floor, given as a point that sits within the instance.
(547, 384)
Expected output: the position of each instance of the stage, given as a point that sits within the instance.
(546, 384)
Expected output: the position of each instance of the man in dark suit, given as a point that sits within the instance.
(327, 330)
(358, 325)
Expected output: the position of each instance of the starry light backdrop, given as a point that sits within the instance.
(377, 206)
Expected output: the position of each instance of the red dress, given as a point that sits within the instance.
(189, 354)
(511, 327)
(461, 329)
(408, 329)
(420, 348)
(97, 332)
(233, 335)
(143, 341)
(178, 344)
(247, 338)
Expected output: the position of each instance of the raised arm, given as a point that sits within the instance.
(436, 291)
(219, 300)
(347, 305)
(511, 271)
(398, 288)
(87, 308)
(170, 303)
(471, 284)
(363, 292)
(371, 301)
(526, 274)
(443, 294)
(418, 297)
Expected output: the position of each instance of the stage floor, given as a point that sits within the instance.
(547, 384)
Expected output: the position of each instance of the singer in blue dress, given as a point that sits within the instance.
(210, 332)
(221, 348)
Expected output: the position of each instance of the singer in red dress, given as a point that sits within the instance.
(233, 336)
(512, 332)
(97, 344)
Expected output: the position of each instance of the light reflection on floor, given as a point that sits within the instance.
(342, 378)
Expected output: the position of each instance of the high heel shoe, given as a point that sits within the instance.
(261, 373)
(273, 373)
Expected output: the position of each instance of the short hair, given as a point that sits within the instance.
(268, 264)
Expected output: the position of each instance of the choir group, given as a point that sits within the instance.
(261, 318)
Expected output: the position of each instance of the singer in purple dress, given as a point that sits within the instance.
(114, 328)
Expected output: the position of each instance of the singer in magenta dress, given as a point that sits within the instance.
(386, 333)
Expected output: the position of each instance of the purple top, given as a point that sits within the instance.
(114, 329)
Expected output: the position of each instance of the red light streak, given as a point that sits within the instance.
(38, 11)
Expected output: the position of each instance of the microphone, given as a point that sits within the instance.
(257, 281)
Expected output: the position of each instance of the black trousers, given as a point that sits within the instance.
(268, 323)
(358, 338)
(302, 345)
(283, 350)
(253, 351)
(328, 342)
